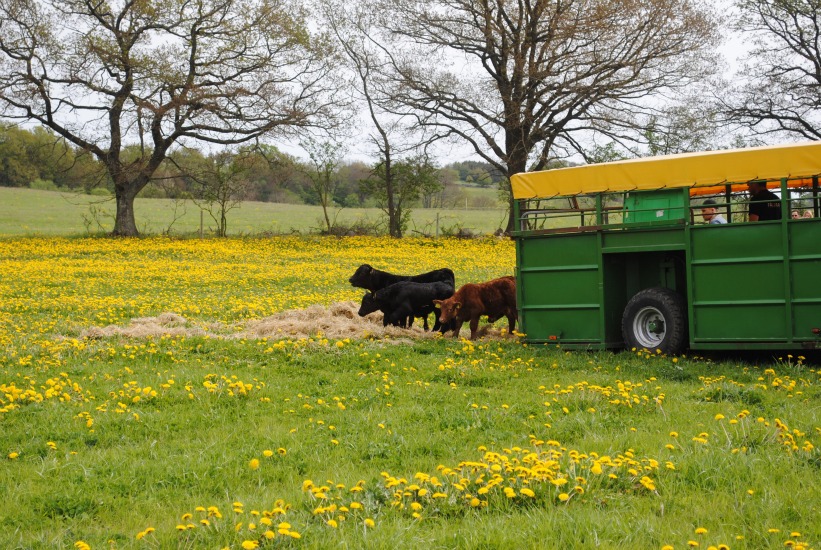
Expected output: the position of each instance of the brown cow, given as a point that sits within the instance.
(496, 299)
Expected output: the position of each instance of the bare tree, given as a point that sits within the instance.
(521, 81)
(779, 87)
(158, 72)
(355, 25)
(324, 158)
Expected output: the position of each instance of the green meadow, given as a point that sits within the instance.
(34, 212)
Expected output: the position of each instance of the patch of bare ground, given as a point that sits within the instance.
(336, 321)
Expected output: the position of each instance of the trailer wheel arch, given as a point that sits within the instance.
(655, 319)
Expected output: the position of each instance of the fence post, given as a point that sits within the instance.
(437, 225)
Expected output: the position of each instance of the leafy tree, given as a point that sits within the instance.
(281, 180)
(16, 168)
(778, 90)
(411, 178)
(522, 81)
(156, 73)
(220, 186)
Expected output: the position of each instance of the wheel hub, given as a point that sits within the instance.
(649, 327)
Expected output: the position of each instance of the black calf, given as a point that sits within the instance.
(402, 301)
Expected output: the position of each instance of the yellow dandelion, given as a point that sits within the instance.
(332, 523)
(267, 453)
(281, 451)
(369, 523)
(564, 497)
(701, 531)
(254, 463)
(250, 544)
(12, 456)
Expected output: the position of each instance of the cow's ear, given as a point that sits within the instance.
(438, 302)
(457, 305)
(370, 269)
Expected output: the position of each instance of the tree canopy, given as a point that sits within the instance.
(522, 82)
(158, 72)
(778, 90)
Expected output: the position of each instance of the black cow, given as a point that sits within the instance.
(405, 300)
(373, 279)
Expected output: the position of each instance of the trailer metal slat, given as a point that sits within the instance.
(547, 269)
(559, 307)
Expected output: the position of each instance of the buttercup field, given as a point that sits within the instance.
(161, 393)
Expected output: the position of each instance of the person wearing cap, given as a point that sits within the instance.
(764, 204)
(710, 213)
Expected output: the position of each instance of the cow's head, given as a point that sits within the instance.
(361, 276)
(449, 309)
(369, 304)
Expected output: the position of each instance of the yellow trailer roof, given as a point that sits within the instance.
(684, 170)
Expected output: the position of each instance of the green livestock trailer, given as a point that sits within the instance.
(620, 254)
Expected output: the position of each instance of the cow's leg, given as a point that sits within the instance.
(474, 327)
(437, 325)
(457, 326)
(511, 322)
(425, 322)
(401, 317)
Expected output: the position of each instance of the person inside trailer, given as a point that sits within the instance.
(764, 204)
(709, 212)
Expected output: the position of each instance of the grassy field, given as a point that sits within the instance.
(32, 212)
(201, 435)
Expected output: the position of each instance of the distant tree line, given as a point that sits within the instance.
(39, 159)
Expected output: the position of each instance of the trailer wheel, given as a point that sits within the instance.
(655, 319)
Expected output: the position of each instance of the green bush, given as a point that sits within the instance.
(43, 185)
(99, 192)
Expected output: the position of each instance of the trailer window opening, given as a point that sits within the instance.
(587, 212)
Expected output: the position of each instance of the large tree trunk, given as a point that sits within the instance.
(511, 221)
(517, 162)
(124, 222)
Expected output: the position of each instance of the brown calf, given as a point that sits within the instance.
(496, 299)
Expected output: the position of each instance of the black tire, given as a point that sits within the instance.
(655, 319)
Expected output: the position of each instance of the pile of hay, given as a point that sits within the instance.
(165, 324)
(335, 322)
